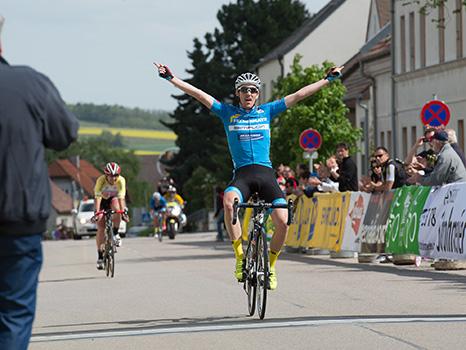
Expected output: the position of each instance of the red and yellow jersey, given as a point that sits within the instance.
(105, 190)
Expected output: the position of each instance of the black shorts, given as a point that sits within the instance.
(106, 204)
(256, 178)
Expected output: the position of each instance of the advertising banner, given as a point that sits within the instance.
(295, 230)
(404, 218)
(329, 224)
(353, 222)
(443, 223)
(375, 223)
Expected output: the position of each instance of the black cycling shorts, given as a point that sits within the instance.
(106, 204)
(256, 178)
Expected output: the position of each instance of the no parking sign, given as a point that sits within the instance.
(310, 138)
(435, 113)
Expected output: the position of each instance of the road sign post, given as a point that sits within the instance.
(310, 141)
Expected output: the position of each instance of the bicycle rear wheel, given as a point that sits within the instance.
(250, 285)
(262, 268)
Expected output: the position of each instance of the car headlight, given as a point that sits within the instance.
(82, 221)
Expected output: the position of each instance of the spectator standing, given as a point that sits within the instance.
(347, 174)
(374, 181)
(453, 141)
(393, 173)
(448, 169)
(32, 117)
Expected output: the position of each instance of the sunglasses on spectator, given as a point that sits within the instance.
(246, 89)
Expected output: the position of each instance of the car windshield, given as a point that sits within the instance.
(87, 207)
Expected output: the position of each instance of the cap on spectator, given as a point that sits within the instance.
(441, 135)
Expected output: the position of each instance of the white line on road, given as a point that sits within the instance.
(235, 327)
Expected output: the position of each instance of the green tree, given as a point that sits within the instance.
(323, 111)
(249, 30)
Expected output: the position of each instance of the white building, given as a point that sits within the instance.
(430, 59)
(335, 34)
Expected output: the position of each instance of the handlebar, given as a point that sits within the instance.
(261, 205)
(108, 212)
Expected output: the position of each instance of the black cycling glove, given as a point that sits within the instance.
(168, 73)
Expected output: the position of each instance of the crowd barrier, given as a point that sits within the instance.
(425, 221)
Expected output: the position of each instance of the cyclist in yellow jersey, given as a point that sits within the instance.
(109, 193)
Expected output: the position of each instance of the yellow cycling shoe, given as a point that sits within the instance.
(239, 270)
(272, 279)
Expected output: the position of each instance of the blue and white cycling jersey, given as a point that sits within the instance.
(248, 133)
(162, 204)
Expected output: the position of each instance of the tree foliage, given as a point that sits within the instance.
(119, 116)
(323, 111)
(248, 31)
(99, 151)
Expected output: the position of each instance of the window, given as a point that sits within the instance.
(422, 39)
(403, 44)
(412, 47)
(404, 136)
(460, 134)
(441, 32)
(413, 134)
(459, 29)
(382, 139)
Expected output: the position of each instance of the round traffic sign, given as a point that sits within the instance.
(435, 113)
(310, 138)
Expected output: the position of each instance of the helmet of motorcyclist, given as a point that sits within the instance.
(112, 169)
(171, 189)
(247, 79)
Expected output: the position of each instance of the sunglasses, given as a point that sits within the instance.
(378, 155)
(251, 90)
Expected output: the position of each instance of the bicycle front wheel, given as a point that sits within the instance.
(250, 286)
(262, 264)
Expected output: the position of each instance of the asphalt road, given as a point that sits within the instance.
(181, 294)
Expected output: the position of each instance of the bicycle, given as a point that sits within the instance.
(158, 229)
(256, 259)
(110, 243)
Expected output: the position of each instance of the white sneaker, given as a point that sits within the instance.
(118, 240)
(100, 264)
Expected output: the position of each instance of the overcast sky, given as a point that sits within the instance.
(101, 51)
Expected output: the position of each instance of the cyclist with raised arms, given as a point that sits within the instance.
(109, 193)
(247, 127)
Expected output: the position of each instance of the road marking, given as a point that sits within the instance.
(235, 327)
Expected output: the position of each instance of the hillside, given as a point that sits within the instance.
(119, 116)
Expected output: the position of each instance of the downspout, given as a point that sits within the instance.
(366, 132)
(393, 87)
(374, 101)
(282, 66)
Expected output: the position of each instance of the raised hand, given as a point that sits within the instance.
(164, 71)
(334, 73)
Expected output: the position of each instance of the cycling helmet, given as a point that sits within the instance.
(112, 169)
(156, 195)
(247, 79)
(171, 189)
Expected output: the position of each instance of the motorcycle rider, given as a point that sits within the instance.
(173, 196)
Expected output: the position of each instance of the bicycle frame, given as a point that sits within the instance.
(256, 260)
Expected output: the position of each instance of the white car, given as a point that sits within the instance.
(82, 221)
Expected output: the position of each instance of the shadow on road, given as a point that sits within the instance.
(239, 320)
(455, 280)
(71, 279)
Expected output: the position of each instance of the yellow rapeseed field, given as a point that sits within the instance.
(134, 133)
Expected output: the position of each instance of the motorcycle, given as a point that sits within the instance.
(174, 219)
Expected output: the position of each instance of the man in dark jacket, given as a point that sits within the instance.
(347, 173)
(32, 117)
